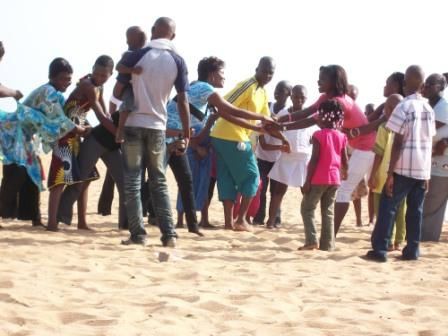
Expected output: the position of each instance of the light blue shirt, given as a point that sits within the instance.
(197, 96)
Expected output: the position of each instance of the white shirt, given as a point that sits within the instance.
(440, 162)
(269, 155)
(162, 69)
(300, 139)
(414, 119)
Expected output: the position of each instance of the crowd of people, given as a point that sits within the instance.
(334, 151)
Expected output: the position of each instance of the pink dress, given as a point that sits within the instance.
(331, 143)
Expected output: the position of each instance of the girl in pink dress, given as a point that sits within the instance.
(328, 159)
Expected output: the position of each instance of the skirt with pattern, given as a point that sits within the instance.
(64, 167)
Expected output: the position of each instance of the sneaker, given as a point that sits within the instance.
(171, 242)
(130, 241)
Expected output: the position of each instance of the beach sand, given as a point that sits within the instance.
(226, 283)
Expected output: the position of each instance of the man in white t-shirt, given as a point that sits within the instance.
(436, 199)
(144, 134)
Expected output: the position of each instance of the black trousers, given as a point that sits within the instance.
(19, 196)
(182, 173)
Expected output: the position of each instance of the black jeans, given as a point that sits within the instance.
(182, 173)
(265, 167)
(107, 195)
(19, 196)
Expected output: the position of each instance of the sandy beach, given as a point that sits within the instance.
(226, 283)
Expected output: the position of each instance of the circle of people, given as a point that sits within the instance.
(327, 149)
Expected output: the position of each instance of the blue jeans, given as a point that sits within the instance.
(140, 142)
(414, 192)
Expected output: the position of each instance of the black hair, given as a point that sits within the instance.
(105, 61)
(59, 65)
(208, 65)
(2, 49)
(442, 82)
(331, 113)
(398, 78)
(338, 77)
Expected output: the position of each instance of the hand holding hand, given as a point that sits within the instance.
(18, 95)
(286, 147)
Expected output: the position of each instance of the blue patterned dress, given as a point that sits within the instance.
(198, 95)
(38, 122)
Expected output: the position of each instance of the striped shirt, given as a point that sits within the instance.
(414, 119)
(247, 95)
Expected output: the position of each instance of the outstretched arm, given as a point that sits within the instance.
(226, 109)
(7, 92)
(365, 129)
(299, 115)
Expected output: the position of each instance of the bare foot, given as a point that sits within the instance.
(228, 227)
(242, 226)
(180, 225)
(84, 227)
(52, 229)
(397, 247)
(269, 224)
(309, 247)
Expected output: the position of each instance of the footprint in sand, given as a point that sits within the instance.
(71, 317)
(6, 284)
(100, 323)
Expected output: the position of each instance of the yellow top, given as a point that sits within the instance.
(383, 147)
(247, 95)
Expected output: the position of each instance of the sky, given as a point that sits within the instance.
(370, 39)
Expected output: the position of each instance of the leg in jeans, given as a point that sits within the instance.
(155, 151)
(307, 209)
(181, 169)
(264, 167)
(327, 240)
(114, 163)
(107, 195)
(89, 154)
(132, 163)
(414, 215)
(434, 208)
(387, 213)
